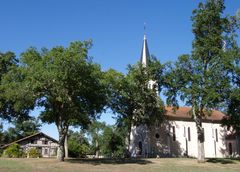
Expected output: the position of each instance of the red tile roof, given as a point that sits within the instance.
(183, 113)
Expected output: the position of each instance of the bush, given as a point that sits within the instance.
(13, 151)
(77, 150)
(33, 153)
(1, 152)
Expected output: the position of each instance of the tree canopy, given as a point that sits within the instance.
(78, 145)
(11, 107)
(65, 82)
(201, 79)
(132, 99)
(20, 129)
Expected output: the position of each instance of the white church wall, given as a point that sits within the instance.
(215, 146)
(183, 144)
(215, 143)
(187, 144)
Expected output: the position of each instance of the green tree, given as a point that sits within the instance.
(20, 129)
(78, 145)
(9, 108)
(201, 80)
(33, 153)
(132, 99)
(27, 127)
(66, 83)
(233, 98)
(13, 151)
(9, 136)
(112, 143)
(1, 134)
(95, 131)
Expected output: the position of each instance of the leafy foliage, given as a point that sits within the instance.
(10, 106)
(233, 109)
(78, 145)
(1, 133)
(202, 80)
(33, 153)
(95, 134)
(112, 143)
(13, 151)
(132, 99)
(66, 83)
(21, 129)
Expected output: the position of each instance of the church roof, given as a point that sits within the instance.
(145, 52)
(183, 113)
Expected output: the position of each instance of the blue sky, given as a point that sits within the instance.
(115, 26)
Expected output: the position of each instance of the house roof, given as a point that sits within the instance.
(29, 137)
(183, 113)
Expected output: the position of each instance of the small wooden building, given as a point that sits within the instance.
(46, 145)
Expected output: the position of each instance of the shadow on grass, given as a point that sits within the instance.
(100, 161)
(221, 160)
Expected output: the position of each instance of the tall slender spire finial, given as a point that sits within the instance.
(144, 28)
(145, 52)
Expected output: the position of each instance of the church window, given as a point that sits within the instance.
(230, 148)
(216, 132)
(157, 136)
(184, 132)
(203, 135)
(189, 134)
(174, 134)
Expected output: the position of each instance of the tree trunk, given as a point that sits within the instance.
(129, 138)
(61, 151)
(66, 147)
(200, 137)
(97, 149)
(201, 152)
(62, 131)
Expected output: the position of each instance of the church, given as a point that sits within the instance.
(177, 135)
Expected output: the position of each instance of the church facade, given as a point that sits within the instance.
(177, 135)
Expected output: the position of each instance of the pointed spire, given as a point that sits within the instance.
(145, 52)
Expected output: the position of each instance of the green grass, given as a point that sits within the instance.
(11, 165)
(110, 165)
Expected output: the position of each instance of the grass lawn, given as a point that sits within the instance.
(104, 165)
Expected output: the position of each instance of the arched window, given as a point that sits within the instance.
(203, 135)
(216, 132)
(230, 148)
(174, 133)
(189, 134)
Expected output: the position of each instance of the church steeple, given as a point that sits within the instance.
(145, 52)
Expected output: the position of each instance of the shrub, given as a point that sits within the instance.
(76, 149)
(1, 152)
(33, 153)
(13, 151)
